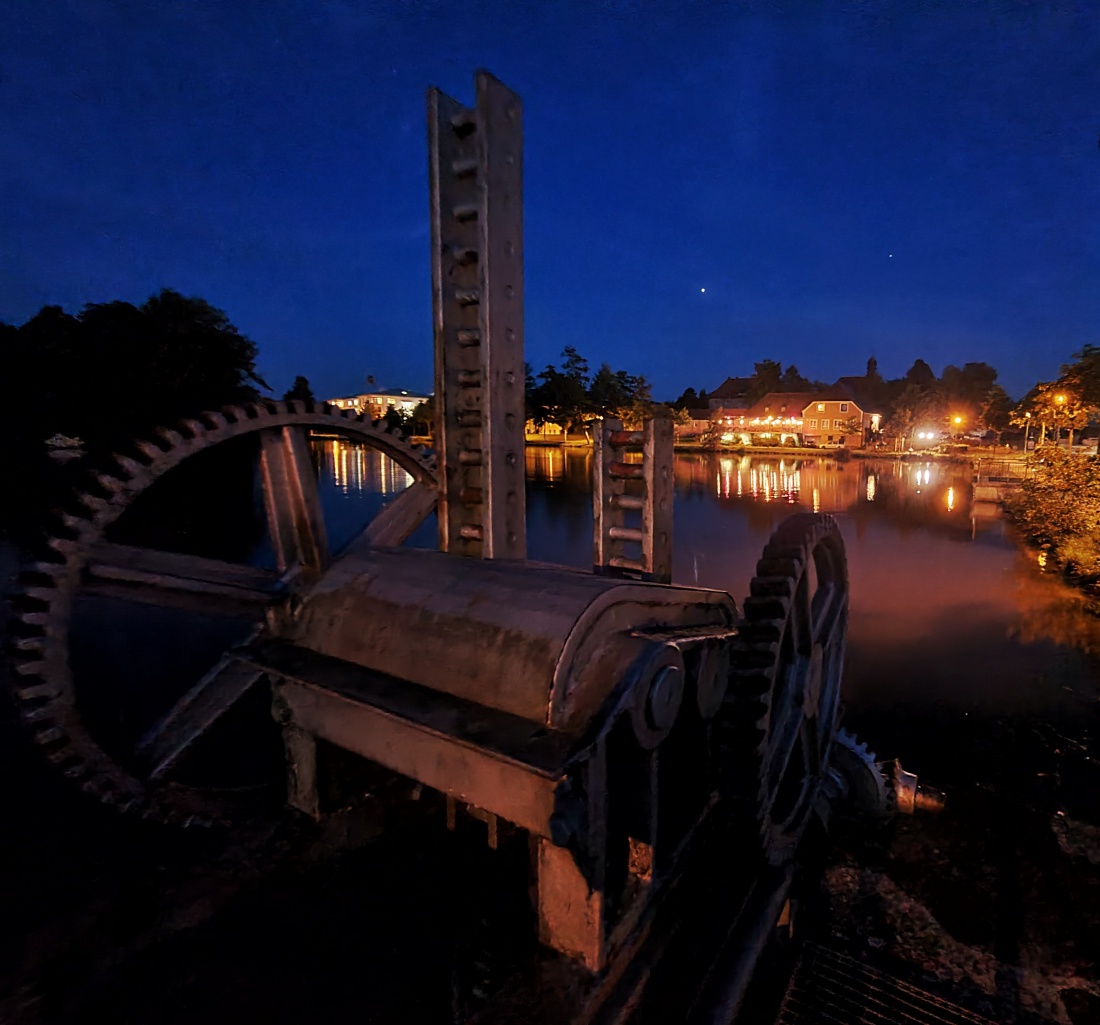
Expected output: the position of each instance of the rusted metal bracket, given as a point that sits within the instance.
(476, 170)
(632, 522)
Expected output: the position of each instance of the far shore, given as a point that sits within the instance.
(805, 451)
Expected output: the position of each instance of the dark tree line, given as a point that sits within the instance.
(94, 380)
(570, 396)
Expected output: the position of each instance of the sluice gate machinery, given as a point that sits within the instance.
(654, 754)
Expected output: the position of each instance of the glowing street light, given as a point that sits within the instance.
(958, 423)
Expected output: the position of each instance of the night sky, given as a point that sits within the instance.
(899, 180)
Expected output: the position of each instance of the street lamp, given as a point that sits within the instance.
(958, 423)
(1027, 428)
(1060, 401)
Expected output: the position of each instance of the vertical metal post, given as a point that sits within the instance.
(476, 171)
(650, 498)
(657, 510)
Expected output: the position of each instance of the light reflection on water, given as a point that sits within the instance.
(359, 469)
(946, 613)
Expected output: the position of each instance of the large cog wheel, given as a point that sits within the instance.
(82, 565)
(780, 714)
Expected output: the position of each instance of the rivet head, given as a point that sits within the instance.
(510, 377)
(509, 291)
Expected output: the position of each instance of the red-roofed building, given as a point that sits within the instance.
(776, 418)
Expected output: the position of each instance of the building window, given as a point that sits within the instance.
(813, 425)
(837, 424)
(844, 407)
(821, 407)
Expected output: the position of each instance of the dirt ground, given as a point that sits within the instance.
(995, 902)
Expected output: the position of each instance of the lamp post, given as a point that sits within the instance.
(1059, 401)
(1027, 428)
(958, 423)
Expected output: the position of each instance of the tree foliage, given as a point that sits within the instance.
(111, 372)
(1054, 407)
(912, 409)
(688, 399)
(300, 391)
(1082, 377)
(1059, 508)
(568, 396)
(767, 376)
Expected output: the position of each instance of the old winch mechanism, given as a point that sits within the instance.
(601, 721)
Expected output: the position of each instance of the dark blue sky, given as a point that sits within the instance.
(900, 180)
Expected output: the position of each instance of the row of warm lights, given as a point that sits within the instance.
(790, 421)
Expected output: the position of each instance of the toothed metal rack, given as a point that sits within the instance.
(476, 172)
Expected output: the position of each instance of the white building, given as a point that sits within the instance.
(376, 403)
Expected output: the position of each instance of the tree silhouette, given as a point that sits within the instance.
(112, 372)
(300, 391)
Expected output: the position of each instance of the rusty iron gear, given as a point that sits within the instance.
(779, 718)
(47, 589)
(866, 790)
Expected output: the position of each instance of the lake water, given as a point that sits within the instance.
(951, 622)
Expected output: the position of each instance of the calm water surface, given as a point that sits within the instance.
(949, 618)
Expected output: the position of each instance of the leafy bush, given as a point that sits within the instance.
(1059, 507)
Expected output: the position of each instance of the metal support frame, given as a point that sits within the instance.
(642, 547)
(476, 171)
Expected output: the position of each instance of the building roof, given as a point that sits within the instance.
(836, 393)
(383, 393)
(781, 404)
(397, 393)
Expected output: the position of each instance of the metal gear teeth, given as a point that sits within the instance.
(131, 468)
(757, 650)
(41, 685)
(96, 506)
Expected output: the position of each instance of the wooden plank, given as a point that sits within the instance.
(511, 738)
(398, 518)
(301, 771)
(657, 512)
(116, 562)
(174, 580)
(291, 499)
(196, 713)
(473, 774)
